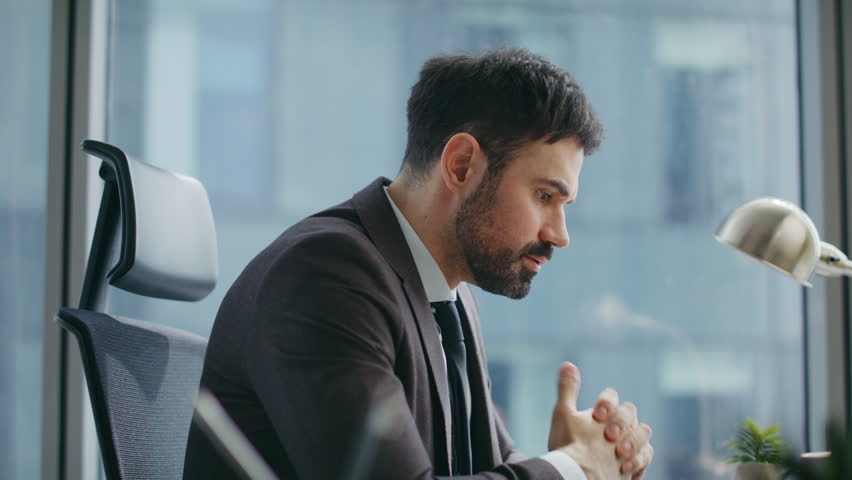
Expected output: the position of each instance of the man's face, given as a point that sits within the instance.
(507, 228)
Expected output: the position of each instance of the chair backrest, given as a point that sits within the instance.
(142, 380)
(155, 237)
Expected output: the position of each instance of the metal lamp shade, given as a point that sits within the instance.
(776, 233)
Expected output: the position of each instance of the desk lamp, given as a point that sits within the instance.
(779, 234)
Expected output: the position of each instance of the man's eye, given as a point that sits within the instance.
(544, 196)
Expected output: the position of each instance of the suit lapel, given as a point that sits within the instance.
(379, 220)
(486, 447)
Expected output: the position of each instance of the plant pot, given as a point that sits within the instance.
(758, 471)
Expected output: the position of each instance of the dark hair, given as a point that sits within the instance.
(505, 98)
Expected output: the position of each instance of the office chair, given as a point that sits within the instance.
(158, 228)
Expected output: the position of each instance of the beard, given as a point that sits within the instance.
(496, 269)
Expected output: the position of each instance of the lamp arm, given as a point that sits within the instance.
(833, 262)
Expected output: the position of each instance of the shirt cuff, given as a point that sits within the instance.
(565, 465)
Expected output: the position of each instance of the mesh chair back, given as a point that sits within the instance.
(142, 379)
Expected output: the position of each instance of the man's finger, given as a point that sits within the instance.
(642, 435)
(606, 407)
(627, 414)
(634, 440)
(569, 385)
(637, 465)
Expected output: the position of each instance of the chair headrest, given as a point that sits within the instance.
(167, 235)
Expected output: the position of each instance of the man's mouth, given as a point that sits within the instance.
(535, 261)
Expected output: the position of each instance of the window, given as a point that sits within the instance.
(285, 107)
(25, 44)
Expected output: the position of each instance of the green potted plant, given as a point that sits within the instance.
(758, 452)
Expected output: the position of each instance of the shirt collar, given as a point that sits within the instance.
(433, 279)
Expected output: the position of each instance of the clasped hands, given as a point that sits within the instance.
(607, 442)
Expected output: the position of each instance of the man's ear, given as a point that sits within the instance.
(461, 161)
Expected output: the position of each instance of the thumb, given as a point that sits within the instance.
(569, 385)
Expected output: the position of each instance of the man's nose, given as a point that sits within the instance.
(555, 232)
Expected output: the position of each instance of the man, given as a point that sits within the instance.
(351, 345)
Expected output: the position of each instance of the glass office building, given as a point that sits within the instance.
(284, 107)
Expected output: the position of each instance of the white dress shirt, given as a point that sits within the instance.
(438, 290)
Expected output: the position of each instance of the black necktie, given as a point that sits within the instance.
(452, 339)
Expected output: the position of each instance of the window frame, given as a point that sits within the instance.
(825, 181)
(77, 110)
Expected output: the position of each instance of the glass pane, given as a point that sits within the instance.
(25, 48)
(283, 108)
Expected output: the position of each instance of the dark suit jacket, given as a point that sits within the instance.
(322, 326)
